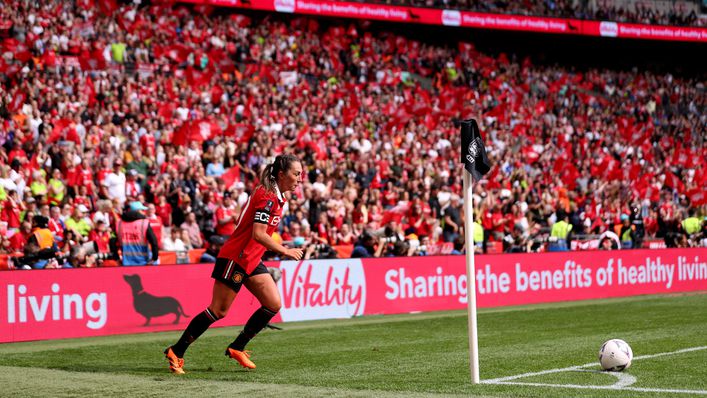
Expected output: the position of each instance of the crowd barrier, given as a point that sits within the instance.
(52, 304)
(434, 16)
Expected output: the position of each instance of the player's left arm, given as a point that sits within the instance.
(261, 236)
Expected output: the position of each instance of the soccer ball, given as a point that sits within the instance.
(615, 355)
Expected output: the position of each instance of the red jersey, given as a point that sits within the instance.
(229, 227)
(11, 213)
(263, 207)
(102, 240)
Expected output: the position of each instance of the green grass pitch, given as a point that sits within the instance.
(392, 356)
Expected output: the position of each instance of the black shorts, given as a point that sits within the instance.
(232, 274)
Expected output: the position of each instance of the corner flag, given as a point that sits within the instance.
(474, 155)
(476, 163)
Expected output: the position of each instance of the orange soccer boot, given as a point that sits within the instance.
(243, 357)
(176, 364)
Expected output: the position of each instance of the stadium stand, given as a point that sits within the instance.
(179, 108)
(652, 12)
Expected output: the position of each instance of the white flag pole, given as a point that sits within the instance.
(470, 276)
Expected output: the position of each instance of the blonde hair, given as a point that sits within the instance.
(268, 178)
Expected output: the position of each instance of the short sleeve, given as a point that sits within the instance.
(263, 205)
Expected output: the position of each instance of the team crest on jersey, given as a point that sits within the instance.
(237, 277)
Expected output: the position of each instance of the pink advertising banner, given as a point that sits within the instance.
(52, 304)
(433, 16)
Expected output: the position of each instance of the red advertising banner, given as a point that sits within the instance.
(436, 283)
(433, 16)
(52, 304)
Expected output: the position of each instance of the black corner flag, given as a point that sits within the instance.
(474, 157)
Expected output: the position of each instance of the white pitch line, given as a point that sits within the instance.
(662, 354)
(638, 389)
(586, 365)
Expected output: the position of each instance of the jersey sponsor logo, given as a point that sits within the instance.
(261, 217)
(275, 221)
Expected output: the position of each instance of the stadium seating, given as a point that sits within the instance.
(652, 12)
(194, 104)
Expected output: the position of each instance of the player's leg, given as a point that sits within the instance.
(264, 289)
(224, 292)
(221, 301)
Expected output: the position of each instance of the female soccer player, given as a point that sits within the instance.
(239, 263)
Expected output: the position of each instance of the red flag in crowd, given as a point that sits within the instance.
(301, 135)
(21, 53)
(49, 58)
(697, 196)
(529, 154)
(204, 9)
(107, 7)
(682, 157)
(673, 181)
(241, 132)
(266, 73)
(196, 130)
(319, 148)
(63, 130)
(85, 4)
(177, 53)
(166, 111)
(92, 60)
(90, 91)
(240, 20)
(17, 101)
(197, 78)
(231, 176)
(216, 93)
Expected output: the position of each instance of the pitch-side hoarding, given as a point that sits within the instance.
(52, 304)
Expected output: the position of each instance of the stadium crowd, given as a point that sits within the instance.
(680, 14)
(171, 112)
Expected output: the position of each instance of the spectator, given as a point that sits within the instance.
(30, 209)
(116, 181)
(215, 244)
(101, 237)
(345, 236)
(136, 239)
(452, 219)
(56, 224)
(155, 222)
(79, 223)
(560, 233)
(11, 209)
(41, 247)
(627, 233)
(173, 242)
(365, 246)
(57, 189)
(226, 216)
(191, 227)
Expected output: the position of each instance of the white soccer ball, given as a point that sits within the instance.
(615, 355)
